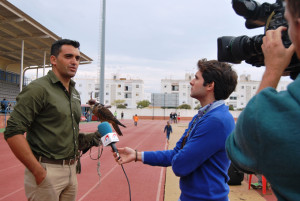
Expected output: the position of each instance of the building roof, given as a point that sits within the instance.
(15, 27)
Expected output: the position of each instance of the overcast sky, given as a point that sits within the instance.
(145, 39)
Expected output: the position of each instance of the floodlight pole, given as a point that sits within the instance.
(102, 54)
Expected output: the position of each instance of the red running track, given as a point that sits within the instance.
(146, 182)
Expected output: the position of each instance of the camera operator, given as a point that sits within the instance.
(266, 139)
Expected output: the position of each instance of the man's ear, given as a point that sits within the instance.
(211, 86)
(53, 60)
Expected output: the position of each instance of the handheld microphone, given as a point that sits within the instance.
(108, 137)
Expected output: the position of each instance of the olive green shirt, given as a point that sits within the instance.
(50, 115)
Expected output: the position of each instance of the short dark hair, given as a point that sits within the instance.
(56, 46)
(221, 73)
(294, 8)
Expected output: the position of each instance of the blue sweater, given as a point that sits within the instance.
(202, 164)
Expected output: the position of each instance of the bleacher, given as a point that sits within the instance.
(9, 90)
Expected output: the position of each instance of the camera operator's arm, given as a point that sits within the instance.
(277, 58)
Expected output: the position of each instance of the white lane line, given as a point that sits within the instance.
(11, 193)
(10, 167)
(160, 180)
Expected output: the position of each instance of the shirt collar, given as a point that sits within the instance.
(54, 79)
(209, 107)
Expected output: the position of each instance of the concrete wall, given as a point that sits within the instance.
(158, 113)
(155, 114)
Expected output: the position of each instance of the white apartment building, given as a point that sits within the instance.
(86, 88)
(129, 90)
(132, 90)
(246, 89)
(180, 87)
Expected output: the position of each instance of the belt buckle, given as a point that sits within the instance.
(70, 161)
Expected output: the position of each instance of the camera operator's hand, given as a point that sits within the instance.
(277, 57)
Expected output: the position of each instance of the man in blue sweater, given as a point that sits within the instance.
(199, 157)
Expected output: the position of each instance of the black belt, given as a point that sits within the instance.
(43, 159)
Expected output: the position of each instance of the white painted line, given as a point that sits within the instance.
(160, 180)
(10, 167)
(11, 193)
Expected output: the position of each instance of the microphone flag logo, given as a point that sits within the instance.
(109, 138)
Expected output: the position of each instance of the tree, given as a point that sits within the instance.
(231, 107)
(117, 103)
(121, 106)
(184, 106)
(142, 104)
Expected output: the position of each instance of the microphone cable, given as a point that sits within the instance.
(127, 182)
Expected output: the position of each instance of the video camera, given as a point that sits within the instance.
(271, 16)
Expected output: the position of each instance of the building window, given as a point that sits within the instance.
(184, 94)
(106, 93)
(137, 86)
(165, 86)
(126, 88)
(128, 95)
(80, 85)
(106, 102)
(137, 94)
(119, 86)
(119, 93)
(242, 87)
(175, 88)
(254, 87)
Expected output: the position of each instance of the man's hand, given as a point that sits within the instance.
(277, 57)
(40, 175)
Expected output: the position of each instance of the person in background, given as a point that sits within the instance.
(4, 105)
(171, 118)
(266, 139)
(48, 109)
(122, 115)
(168, 130)
(199, 157)
(135, 119)
(175, 117)
(178, 117)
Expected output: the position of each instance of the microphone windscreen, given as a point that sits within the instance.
(104, 128)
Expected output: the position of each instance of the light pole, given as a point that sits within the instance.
(102, 54)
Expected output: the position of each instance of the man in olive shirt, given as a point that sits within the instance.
(48, 109)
